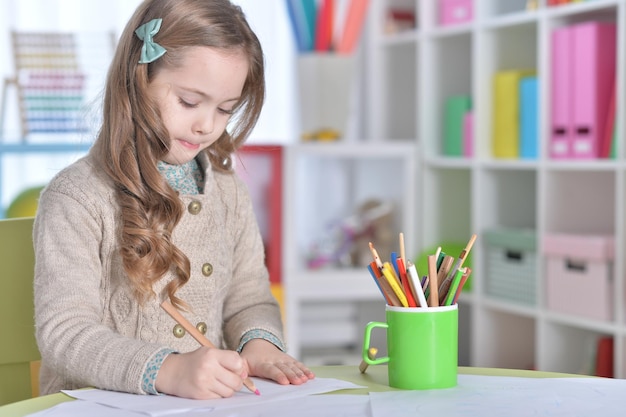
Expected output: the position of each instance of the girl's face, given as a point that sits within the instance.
(196, 99)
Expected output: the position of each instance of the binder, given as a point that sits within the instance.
(604, 357)
(468, 134)
(561, 93)
(607, 145)
(593, 67)
(454, 111)
(529, 103)
(506, 122)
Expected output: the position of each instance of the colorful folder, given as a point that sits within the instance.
(529, 111)
(594, 46)
(505, 140)
(582, 78)
(454, 111)
(561, 94)
(468, 134)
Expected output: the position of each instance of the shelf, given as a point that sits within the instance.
(27, 148)
(328, 188)
(459, 196)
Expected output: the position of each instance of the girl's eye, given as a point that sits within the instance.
(187, 104)
(227, 112)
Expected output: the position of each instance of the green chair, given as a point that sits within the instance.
(19, 356)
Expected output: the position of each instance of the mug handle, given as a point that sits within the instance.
(366, 343)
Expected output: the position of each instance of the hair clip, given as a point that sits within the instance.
(150, 51)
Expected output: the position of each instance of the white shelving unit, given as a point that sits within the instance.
(410, 74)
(328, 307)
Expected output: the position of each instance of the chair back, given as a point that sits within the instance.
(19, 355)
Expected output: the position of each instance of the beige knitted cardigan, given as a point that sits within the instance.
(90, 330)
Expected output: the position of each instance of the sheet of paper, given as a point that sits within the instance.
(84, 408)
(310, 406)
(161, 405)
(487, 396)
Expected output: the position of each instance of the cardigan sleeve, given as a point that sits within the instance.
(76, 344)
(250, 304)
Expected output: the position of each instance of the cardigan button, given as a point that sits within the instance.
(194, 207)
(178, 331)
(201, 327)
(207, 269)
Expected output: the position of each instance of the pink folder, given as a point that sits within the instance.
(561, 93)
(593, 69)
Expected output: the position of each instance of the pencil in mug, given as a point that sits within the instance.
(447, 298)
(200, 338)
(373, 269)
(466, 275)
(375, 255)
(404, 279)
(462, 256)
(447, 281)
(393, 257)
(438, 254)
(443, 269)
(402, 250)
(393, 281)
(388, 292)
(444, 278)
(416, 285)
(433, 296)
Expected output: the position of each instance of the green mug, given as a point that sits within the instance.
(422, 346)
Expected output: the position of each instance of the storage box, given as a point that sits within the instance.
(453, 12)
(579, 278)
(511, 265)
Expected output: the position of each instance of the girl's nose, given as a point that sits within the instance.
(204, 125)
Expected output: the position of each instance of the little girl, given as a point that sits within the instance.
(154, 212)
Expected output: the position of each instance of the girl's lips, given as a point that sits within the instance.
(188, 145)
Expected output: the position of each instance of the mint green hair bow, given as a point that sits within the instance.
(150, 51)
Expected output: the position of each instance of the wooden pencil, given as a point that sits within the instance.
(371, 354)
(200, 338)
(433, 296)
(462, 256)
(379, 263)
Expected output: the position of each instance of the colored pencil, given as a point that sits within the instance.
(433, 296)
(379, 263)
(402, 250)
(371, 354)
(200, 338)
(395, 286)
(416, 285)
(462, 256)
(404, 279)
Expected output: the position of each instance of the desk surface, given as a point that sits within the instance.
(375, 379)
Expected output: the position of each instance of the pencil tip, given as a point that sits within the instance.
(257, 392)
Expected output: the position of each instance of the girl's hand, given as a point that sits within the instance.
(202, 374)
(267, 361)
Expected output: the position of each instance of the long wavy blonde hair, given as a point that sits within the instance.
(133, 137)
